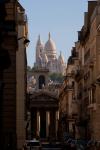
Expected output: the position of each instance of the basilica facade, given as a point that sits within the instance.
(46, 56)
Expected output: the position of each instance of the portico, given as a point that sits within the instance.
(44, 115)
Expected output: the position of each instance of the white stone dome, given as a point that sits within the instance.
(50, 47)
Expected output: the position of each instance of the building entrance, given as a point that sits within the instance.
(44, 118)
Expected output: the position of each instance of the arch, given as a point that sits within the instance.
(41, 81)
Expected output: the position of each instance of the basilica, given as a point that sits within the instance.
(46, 56)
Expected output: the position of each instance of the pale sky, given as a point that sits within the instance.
(62, 18)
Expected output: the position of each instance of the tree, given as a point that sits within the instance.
(28, 68)
(56, 77)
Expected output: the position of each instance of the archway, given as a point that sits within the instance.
(41, 81)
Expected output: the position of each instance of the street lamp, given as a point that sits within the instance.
(25, 42)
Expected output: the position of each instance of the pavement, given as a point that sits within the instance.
(51, 146)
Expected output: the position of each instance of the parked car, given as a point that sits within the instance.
(33, 144)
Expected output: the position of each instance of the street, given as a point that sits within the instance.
(52, 146)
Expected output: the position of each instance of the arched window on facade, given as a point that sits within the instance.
(41, 81)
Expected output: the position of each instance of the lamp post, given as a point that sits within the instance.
(26, 41)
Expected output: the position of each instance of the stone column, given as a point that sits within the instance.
(47, 123)
(43, 124)
(33, 123)
(52, 124)
(38, 123)
(57, 118)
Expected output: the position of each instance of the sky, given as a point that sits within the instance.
(62, 18)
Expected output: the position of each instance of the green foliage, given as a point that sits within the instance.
(29, 71)
(56, 77)
(28, 68)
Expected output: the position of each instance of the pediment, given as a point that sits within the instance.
(43, 100)
(43, 96)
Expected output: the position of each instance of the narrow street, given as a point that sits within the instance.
(49, 75)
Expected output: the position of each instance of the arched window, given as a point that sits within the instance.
(41, 81)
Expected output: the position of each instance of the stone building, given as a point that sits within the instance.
(8, 48)
(86, 75)
(21, 75)
(67, 103)
(9, 79)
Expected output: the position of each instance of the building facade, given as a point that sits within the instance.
(68, 109)
(8, 48)
(85, 73)
(21, 75)
(88, 45)
(10, 107)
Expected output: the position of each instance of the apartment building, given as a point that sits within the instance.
(67, 102)
(86, 77)
(11, 101)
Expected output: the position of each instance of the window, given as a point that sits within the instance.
(87, 55)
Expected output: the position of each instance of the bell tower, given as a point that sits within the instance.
(39, 51)
(41, 76)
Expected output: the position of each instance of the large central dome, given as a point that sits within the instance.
(50, 48)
